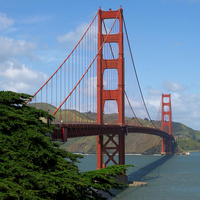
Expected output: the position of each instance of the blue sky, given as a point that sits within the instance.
(164, 37)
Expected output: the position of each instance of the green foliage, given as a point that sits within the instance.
(189, 144)
(34, 168)
(183, 131)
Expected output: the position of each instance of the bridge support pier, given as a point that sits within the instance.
(114, 144)
(100, 152)
(166, 146)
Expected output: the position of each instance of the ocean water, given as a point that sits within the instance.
(169, 177)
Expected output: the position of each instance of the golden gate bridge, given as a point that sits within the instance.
(77, 93)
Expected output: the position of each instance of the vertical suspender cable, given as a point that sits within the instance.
(60, 93)
(87, 67)
(46, 96)
(93, 68)
(41, 101)
(56, 90)
(66, 58)
(51, 94)
(90, 77)
(82, 100)
(79, 84)
(72, 99)
(65, 83)
(136, 74)
(75, 81)
(87, 74)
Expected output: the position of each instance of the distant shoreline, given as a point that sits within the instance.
(128, 154)
(136, 154)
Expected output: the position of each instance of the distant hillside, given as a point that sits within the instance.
(69, 115)
(187, 138)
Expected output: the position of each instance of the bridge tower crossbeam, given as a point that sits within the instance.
(104, 95)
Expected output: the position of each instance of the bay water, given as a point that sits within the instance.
(168, 177)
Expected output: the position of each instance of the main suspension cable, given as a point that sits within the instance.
(87, 68)
(158, 111)
(65, 59)
(124, 91)
(132, 109)
(136, 74)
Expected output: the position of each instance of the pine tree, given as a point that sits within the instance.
(31, 167)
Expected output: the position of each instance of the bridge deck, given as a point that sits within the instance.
(65, 131)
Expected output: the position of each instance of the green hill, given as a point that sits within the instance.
(187, 138)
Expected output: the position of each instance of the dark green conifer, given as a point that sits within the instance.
(31, 167)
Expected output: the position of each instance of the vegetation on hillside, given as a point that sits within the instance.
(34, 168)
(189, 144)
(141, 143)
(151, 144)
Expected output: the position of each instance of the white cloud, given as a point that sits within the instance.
(154, 103)
(152, 91)
(10, 47)
(134, 104)
(19, 78)
(90, 87)
(185, 107)
(73, 37)
(5, 22)
(172, 86)
(137, 106)
(14, 75)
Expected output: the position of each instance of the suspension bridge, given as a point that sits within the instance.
(82, 92)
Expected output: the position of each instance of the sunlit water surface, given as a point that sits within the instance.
(169, 177)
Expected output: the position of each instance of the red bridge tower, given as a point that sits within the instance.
(166, 124)
(104, 95)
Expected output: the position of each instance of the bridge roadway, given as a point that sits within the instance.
(65, 131)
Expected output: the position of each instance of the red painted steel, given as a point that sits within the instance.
(166, 124)
(65, 59)
(100, 46)
(105, 95)
(115, 133)
(65, 131)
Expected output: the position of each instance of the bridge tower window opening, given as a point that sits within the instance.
(165, 99)
(107, 24)
(110, 77)
(166, 108)
(110, 112)
(166, 118)
(110, 50)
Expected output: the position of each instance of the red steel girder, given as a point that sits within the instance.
(65, 131)
(147, 130)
